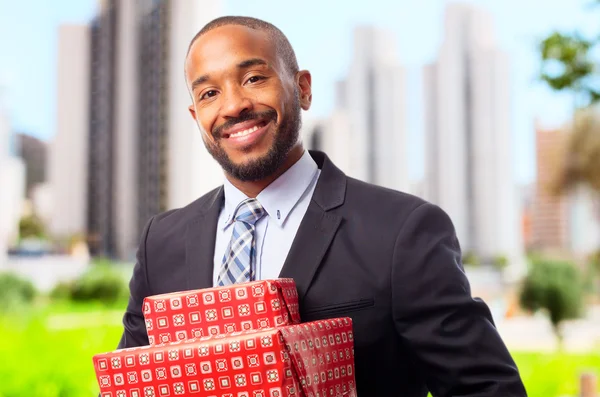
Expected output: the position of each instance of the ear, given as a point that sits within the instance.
(192, 111)
(304, 81)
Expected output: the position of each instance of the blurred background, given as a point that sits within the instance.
(487, 108)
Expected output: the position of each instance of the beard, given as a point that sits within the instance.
(287, 133)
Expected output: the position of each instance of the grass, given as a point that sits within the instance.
(47, 351)
(553, 375)
(45, 356)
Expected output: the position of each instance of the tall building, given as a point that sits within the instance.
(469, 169)
(191, 170)
(129, 88)
(68, 150)
(152, 160)
(174, 166)
(373, 100)
(102, 159)
(146, 154)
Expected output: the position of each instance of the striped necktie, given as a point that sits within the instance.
(238, 263)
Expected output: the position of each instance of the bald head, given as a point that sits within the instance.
(282, 45)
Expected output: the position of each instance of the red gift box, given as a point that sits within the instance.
(221, 310)
(302, 360)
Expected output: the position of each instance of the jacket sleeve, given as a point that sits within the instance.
(451, 335)
(134, 333)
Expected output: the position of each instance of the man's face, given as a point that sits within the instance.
(245, 102)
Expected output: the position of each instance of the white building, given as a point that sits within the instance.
(126, 127)
(469, 170)
(191, 171)
(68, 151)
(370, 115)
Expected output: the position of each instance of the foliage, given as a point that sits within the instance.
(31, 227)
(101, 282)
(500, 262)
(15, 292)
(471, 259)
(582, 162)
(567, 66)
(556, 288)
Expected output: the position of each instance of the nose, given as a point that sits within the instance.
(235, 103)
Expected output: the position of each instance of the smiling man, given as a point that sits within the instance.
(388, 260)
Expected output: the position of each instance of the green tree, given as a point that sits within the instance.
(555, 288)
(567, 66)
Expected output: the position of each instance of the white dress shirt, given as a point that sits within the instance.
(285, 201)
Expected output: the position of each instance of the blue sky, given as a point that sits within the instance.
(321, 33)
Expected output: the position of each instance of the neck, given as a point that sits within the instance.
(253, 188)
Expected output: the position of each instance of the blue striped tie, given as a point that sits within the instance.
(238, 262)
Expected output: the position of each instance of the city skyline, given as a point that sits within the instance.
(328, 59)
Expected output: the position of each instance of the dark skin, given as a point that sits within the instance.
(232, 71)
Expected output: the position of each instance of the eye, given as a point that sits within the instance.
(255, 79)
(208, 94)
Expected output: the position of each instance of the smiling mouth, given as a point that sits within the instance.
(247, 131)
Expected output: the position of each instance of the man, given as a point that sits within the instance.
(388, 260)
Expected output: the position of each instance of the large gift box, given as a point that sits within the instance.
(221, 310)
(310, 360)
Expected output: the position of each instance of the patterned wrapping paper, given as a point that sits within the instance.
(221, 310)
(304, 360)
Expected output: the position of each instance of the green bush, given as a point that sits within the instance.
(556, 288)
(101, 283)
(31, 227)
(471, 259)
(500, 262)
(15, 291)
(62, 291)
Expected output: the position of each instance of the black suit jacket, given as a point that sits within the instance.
(388, 260)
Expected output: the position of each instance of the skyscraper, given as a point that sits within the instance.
(102, 159)
(68, 150)
(191, 170)
(146, 155)
(373, 100)
(468, 135)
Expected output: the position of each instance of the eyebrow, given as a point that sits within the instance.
(242, 65)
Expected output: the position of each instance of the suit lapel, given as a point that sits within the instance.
(200, 243)
(318, 227)
(314, 236)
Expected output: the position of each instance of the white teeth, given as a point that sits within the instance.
(244, 132)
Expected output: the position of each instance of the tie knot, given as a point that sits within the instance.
(249, 211)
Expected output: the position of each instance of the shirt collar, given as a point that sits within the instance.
(281, 196)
